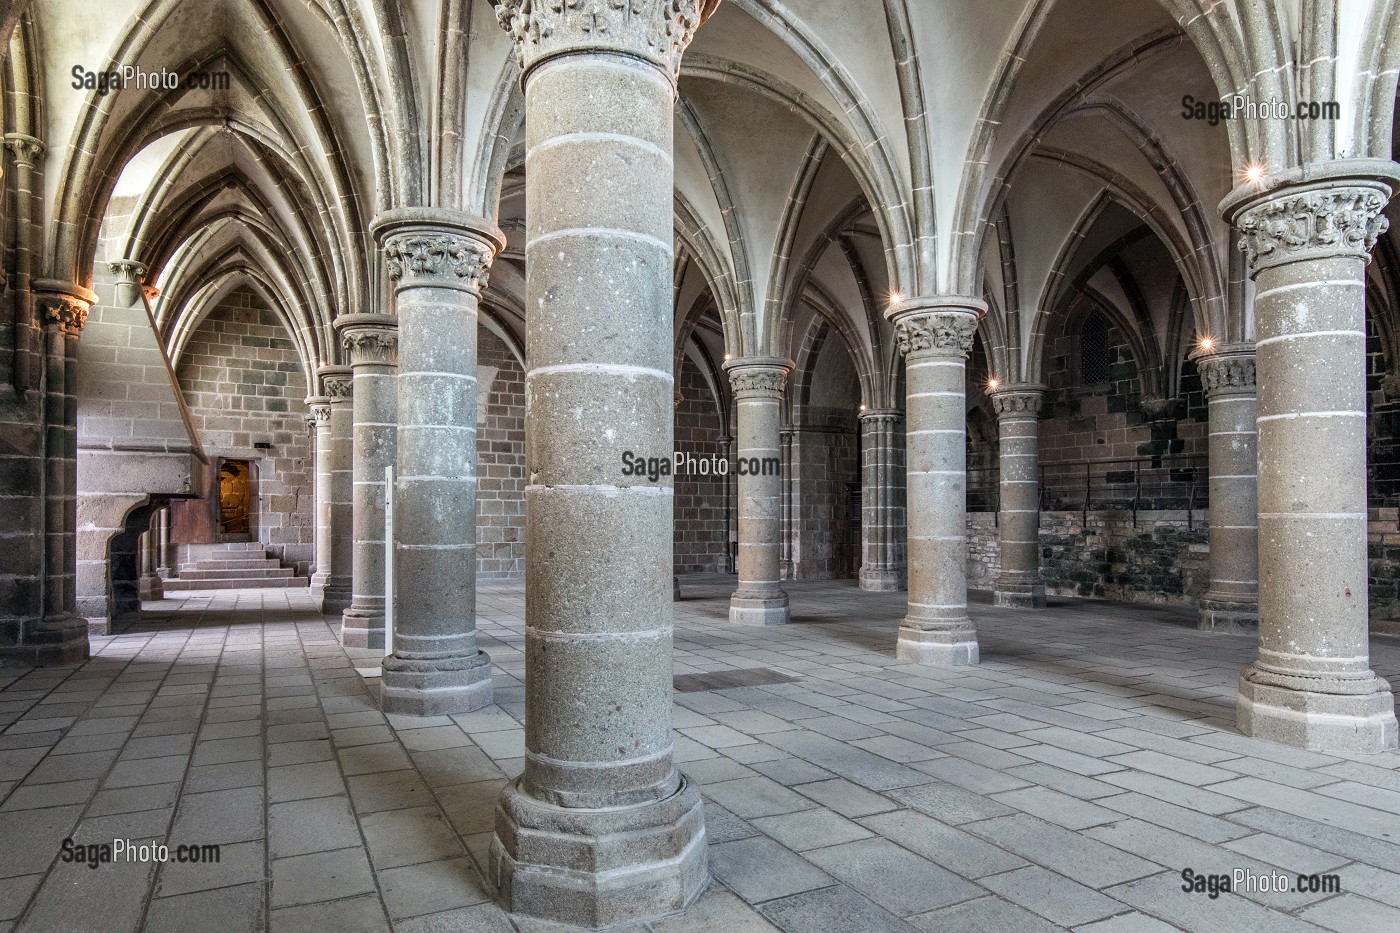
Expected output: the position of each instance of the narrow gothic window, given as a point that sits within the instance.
(1093, 350)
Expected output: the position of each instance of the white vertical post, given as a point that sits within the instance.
(390, 549)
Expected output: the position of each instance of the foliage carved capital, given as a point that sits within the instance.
(1320, 223)
(656, 30)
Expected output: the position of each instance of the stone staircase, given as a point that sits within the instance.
(234, 566)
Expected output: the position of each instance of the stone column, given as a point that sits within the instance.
(758, 392)
(1308, 245)
(438, 260)
(320, 408)
(788, 526)
(935, 336)
(601, 828)
(336, 383)
(165, 565)
(60, 637)
(371, 342)
(1231, 602)
(883, 566)
(148, 585)
(1018, 426)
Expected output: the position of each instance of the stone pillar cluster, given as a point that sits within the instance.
(337, 387)
(1308, 244)
(758, 391)
(1019, 585)
(1231, 601)
(439, 261)
(935, 335)
(371, 342)
(601, 828)
(883, 564)
(60, 636)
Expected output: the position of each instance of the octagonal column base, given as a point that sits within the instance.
(597, 868)
(764, 610)
(1361, 723)
(881, 580)
(1228, 616)
(436, 687)
(362, 627)
(948, 645)
(1016, 594)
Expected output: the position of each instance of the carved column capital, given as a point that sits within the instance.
(64, 312)
(942, 326)
(1227, 371)
(369, 339)
(883, 418)
(1324, 219)
(336, 383)
(758, 377)
(437, 248)
(1018, 401)
(128, 270)
(320, 410)
(63, 305)
(657, 31)
(26, 150)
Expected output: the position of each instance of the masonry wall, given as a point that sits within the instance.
(701, 517)
(825, 461)
(1163, 559)
(500, 445)
(1106, 420)
(243, 382)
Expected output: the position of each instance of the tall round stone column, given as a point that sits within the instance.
(1308, 245)
(1231, 601)
(320, 408)
(882, 568)
(371, 341)
(935, 335)
(439, 261)
(1019, 585)
(758, 392)
(337, 386)
(601, 828)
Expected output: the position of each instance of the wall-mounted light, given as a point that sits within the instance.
(896, 298)
(992, 383)
(1207, 344)
(1254, 173)
(862, 408)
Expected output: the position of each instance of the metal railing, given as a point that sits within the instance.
(1140, 484)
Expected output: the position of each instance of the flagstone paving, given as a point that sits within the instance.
(1064, 783)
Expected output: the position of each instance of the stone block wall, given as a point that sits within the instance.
(983, 550)
(1383, 551)
(500, 446)
(1164, 559)
(825, 465)
(701, 518)
(243, 382)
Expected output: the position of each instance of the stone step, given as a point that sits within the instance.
(224, 547)
(251, 564)
(269, 573)
(234, 583)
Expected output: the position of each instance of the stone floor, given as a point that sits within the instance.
(1066, 782)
